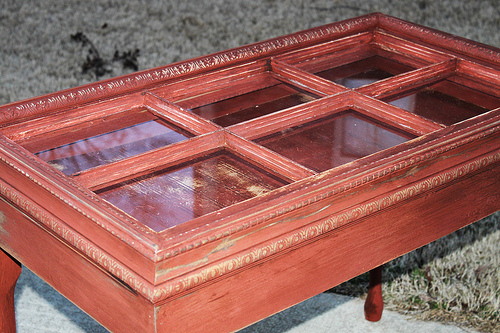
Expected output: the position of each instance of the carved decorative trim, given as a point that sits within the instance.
(302, 235)
(47, 170)
(234, 229)
(144, 79)
(169, 289)
(334, 191)
(441, 39)
(94, 253)
(80, 199)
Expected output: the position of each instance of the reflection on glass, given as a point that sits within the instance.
(254, 104)
(176, 195)
(109, 147)
(446, 102)
(362, 72)
(333, 141)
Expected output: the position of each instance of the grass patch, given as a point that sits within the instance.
(455, 279)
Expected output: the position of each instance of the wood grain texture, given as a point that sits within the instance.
(374, 303)
(10, 269)
(77, 277)
(420, 76)
(251, 209)
(298, 76)
(388, 233)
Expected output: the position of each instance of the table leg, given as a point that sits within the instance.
(10, 269)
(374, 303)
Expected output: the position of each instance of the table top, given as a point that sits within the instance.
(173, 179)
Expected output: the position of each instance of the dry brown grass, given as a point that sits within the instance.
(454, 279)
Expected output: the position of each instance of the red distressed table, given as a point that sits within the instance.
(211, 193)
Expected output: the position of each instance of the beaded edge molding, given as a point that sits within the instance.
(212, 272)
(91, 251)
(148, 77)
(141, 80)
(203, 275)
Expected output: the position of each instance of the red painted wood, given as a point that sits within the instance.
(177, 115)
(445, 102)
(420, 76)
(278, 174)
(407, 51)
(151, 161)
(53, 213)
(271, 162)
(332, 141)
(195, 188)
(108, 297)
(273, 96)
(10, 269)
(199, 90)
(316, 53)
(295, 75)
(294, 116)
(332, 259)
(30, 125)
(374, 303)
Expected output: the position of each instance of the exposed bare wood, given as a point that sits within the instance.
(283, 158)
(109, 174)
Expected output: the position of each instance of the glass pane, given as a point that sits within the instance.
(362, 72)
(254, 104)
(112, 146)
(333, 141)
(446, 102)
(176, 195)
